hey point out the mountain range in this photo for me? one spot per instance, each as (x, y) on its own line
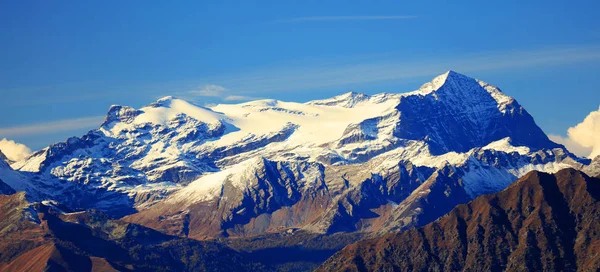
(352, 166)
(542, 222)
(44, 237)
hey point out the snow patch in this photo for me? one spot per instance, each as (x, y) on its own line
(505, 145)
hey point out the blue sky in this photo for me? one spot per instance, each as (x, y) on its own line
(63, 63)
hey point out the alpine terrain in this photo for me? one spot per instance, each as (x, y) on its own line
(337, 169)
(44, 237)
(542, 222)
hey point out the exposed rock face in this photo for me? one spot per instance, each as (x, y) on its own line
(593, 169)
(464, 113)
(42, 237)
(269, 196)
(542, 222)
(326, 199)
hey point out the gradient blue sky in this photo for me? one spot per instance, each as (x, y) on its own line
(63, 63)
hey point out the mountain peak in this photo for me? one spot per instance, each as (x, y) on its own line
(469, 87)
(450, 74)
(472, 112)
(161, 112)
(4, 161)
(166, 98)
(163, 101)
(441, 80)
(347, 100)
(118, 113)
(3, 157)
(352, 95)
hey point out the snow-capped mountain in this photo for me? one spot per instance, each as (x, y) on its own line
(352, 162)
(4, 159)
(4, 165)
(593, 169)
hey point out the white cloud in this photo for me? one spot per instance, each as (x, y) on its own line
(571, 145)
(341, 72)
(347, 18)
(52, 127)
(239, 98)
(209, 90)
(210, 105)
(212, 90)
(14, 151)
(587, 133)
(584, 138)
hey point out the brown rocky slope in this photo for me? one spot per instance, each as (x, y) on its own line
(542, 222)
(43, 237)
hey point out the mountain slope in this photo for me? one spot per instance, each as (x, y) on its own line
(463, 113)
(43, 237)
(542, 222)
(4, 159)
(593, 169)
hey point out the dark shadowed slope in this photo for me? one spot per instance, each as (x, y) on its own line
(542, 222)
(43, 237)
